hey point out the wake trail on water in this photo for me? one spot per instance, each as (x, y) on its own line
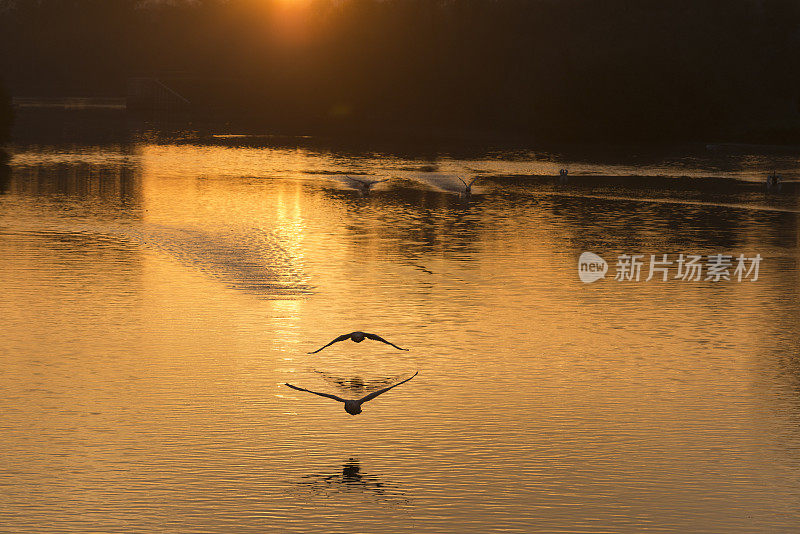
(252, 261)
(739, 206)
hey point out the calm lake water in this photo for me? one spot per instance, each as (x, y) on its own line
(157, 294)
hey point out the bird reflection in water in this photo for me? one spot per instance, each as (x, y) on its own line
(353, 406)
(357, 384)
(352, 480)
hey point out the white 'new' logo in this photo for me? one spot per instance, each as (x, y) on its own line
(591, 267)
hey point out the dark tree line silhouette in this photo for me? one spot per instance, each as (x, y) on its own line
(558, 69)
(6, 115)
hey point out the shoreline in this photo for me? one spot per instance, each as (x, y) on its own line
(234, 127)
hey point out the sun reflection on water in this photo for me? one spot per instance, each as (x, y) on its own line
(157, 299)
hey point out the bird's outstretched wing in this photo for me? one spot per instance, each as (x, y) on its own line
(376, 337)
(472, 182)
(363, 182)
(338, 339)
(462, 181)
(382, 391)
(334, 397)
(368, 183)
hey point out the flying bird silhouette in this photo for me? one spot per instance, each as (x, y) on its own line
(353, 406)
(357, 337)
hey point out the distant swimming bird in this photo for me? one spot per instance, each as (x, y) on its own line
(467, 187)
(774, 180)
(353, 406)
(357, 337)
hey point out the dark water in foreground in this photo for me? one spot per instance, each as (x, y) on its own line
(155, 298)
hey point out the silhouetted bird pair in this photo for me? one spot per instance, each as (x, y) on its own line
(353, 406)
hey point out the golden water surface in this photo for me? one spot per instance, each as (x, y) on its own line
(156, 297)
